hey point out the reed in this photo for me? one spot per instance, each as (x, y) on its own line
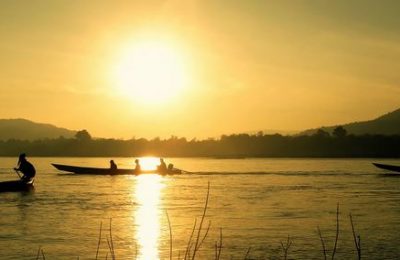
(337, 232)
(285, 247)
(98, 243)
(189, 244)
(200, 232)
(247, 253)
(322, 243)
(199, 242)
(357, 238)
(170, 236)
(218, 246)
(324, 251)
(40, 254)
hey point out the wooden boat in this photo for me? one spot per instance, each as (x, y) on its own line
(10, 186)
(108, 171)
(389, 167)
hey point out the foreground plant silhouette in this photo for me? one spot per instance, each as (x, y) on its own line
(200, 232)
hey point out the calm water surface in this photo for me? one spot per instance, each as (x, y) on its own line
(257, 203)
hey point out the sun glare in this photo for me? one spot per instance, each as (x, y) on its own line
(151, 72)
(149, 163)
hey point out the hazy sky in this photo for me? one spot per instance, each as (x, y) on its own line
(226, 66)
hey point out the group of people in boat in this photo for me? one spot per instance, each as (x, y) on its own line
(162, 167)
(28, 170)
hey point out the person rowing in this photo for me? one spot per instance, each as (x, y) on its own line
(113, 165)
(27, 169)
(138, 168)
(163, 166)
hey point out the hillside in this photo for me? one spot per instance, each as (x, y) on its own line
(388, 124)
(274, 131)
(23, 129)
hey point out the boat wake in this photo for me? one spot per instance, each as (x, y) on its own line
(289, 173)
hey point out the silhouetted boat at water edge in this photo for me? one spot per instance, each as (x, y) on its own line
(12, 186)
(108, 171)
(389, 167)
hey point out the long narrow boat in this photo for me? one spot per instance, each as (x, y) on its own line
(389, 167)
(108, 171)
(10, 186)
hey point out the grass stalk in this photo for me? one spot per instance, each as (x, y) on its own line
(189, 245)
(196, 245)
(357, 238)
(170, 236)
(111, 243)
(285, 247)
(322, 243)
(38, 253)
(337, 232)
(247, 253)
(98, 243)
(218, 245)
(205, 234)
(109, 246)
(44, 258)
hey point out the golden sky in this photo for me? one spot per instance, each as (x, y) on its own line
(198, 68)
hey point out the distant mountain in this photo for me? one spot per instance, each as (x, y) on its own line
(272, 132)
(388, 124)
(23, 129)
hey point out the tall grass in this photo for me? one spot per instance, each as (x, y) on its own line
(200, 232)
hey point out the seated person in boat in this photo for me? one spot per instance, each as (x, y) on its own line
(26, 168)
(163, 166)
(170, 167)
(137, 167)
(113, 166)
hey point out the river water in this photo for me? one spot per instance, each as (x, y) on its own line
(254, 203)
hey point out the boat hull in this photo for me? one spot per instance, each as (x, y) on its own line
(107, 171)
(393, 168)
(15, 186)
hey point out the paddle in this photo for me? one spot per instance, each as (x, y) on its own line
(17, 171)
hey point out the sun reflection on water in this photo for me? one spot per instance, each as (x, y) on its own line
(147, 216)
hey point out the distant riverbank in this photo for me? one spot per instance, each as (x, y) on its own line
(319, 145)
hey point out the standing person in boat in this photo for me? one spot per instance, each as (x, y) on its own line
(138, 168)
(163, 166)
(113, 166)
(27, 169)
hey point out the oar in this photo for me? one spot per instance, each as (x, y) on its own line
(17, 171)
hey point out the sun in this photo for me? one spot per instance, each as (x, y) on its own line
(151, 72)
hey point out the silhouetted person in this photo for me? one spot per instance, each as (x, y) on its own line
(113, 166)
(138, 168)
(170, 167)
(162, 167)
(26, 168)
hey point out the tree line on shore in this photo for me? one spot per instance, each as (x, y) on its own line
(320, 144)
